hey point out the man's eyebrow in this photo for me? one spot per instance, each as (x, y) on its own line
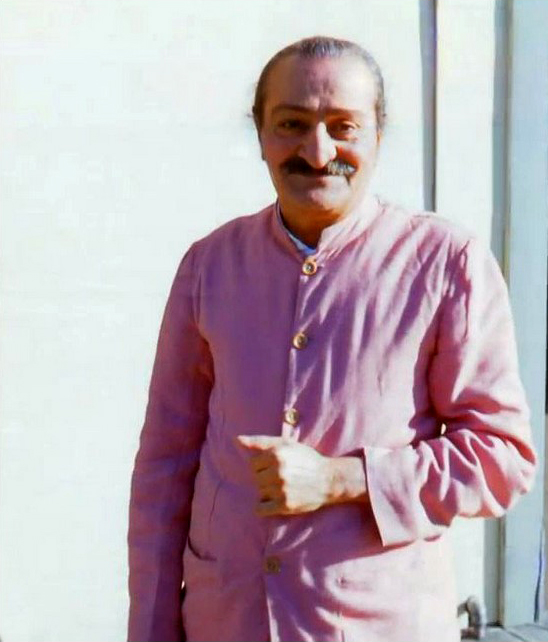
(304, 110)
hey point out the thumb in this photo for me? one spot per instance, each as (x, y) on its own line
(259, 442)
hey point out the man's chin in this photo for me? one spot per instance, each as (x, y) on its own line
(319, 199)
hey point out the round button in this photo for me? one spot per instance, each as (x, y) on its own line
(310, 267)
(291, 416)
(300, 340)
(272, 564)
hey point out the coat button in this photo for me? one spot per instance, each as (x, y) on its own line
(272, 564)
(300, 340)
(310, 267)
(291, 416)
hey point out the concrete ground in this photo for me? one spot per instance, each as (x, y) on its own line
(525, 633)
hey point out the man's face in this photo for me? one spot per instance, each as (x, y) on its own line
(319, 136)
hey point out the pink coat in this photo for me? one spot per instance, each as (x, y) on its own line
(410, 363)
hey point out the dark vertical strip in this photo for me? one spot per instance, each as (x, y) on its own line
(501, 92)
(428, 43)
(500, 205)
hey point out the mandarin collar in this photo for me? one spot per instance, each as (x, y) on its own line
(335, 237)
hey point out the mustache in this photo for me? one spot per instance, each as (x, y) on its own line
(336, 167)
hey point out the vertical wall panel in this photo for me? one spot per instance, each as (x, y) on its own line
(526, 264)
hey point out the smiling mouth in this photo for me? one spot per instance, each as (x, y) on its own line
(317, 178)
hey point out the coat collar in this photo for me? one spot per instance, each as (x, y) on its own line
(333, 238)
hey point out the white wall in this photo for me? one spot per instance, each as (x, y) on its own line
(464, 194)
(125, 137)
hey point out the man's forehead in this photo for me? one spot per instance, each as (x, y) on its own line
(330, 111)
(342, 83)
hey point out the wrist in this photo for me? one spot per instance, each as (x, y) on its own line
(346, 480)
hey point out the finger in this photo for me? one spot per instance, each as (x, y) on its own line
(271, 493)
(267, 477)
(259, 442)
(270, 507)
(262, 461)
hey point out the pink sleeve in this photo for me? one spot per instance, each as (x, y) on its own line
(485, 459)
(165, 466)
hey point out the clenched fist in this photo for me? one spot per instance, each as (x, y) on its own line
(294, 478)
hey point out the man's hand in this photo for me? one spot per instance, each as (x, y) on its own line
(294, 478)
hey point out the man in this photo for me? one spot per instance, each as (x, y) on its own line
(335, 381)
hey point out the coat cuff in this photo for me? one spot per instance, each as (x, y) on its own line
(398, 513)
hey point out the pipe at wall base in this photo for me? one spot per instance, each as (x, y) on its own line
(477, 618)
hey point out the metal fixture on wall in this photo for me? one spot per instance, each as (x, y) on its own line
(477, 619)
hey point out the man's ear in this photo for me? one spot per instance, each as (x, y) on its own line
(258, 131)
(260, 144)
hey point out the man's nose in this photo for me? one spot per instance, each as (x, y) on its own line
(318, 148)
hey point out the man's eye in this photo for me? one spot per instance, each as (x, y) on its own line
(344, 127)
(292, 124)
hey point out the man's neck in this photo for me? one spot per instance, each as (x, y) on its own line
(308, 225)
(306, 237)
